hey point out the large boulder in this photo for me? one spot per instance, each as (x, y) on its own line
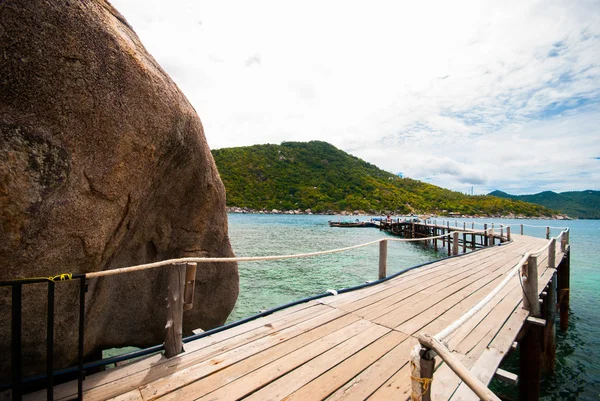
(103, 164)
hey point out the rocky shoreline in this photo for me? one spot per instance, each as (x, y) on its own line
(245, 210)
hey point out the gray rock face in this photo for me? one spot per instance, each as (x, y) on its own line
(103, 164)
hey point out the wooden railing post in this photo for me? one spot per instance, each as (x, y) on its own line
(383, 259)
(485, 235)
(174, 326)
(492, 237)
(426, 367)
(508, 233)
(547, 232)
(190, 283)
(464, 241)
(501, 232)
(472, 225)
(455, 243)
(564, 241)
(552, 254)
(521, 229)
(530, 287)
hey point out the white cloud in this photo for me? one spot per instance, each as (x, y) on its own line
(485, 93)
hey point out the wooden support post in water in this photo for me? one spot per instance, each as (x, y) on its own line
(530, 359)
(174, 327)
(455, 243)
(530, 362)
(549, 314)
(564, 288)
(383, 259)
(412, 229)
(449, 244)
(464, 238)
(547, 232)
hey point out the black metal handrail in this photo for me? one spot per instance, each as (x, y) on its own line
(17, 381)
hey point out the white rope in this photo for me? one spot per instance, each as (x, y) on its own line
(450, 329)
(162, 263)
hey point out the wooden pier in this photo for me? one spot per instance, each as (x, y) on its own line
(356, 345)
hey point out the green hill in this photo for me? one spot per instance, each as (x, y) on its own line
(317, 175)
(576, 204)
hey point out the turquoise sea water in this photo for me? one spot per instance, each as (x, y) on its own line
(265, 285)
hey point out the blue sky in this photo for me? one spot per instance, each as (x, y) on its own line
(483, 94)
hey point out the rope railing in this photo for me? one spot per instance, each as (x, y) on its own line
(422, 351)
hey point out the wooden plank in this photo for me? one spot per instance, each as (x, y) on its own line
(133, 395)
(291, 382)
(266, 349)
(423, 290)
(260, 377)
(119, 380)
(427, 299)
(238, 370)
(334, 378)
(367, 382)
(506, 377)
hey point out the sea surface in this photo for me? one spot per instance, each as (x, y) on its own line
(264, 285)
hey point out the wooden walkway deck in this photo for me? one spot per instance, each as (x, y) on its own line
(352, 346)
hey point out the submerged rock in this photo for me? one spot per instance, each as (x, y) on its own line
(103, 164)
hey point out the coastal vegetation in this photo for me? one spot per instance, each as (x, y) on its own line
(575, 204)
(316, 175)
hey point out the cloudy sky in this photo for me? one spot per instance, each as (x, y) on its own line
(483, 94)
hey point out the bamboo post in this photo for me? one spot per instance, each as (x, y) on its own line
(455, 243)
(521, 229)
(190, 283)
(530, 287)
(174, 327)
(552, 254)
(547, 232)
(383, 259)
(508, 233)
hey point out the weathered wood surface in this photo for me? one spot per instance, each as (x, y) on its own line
(351, 346)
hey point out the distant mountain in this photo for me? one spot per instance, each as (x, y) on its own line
(575, 204)
(316, 175)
